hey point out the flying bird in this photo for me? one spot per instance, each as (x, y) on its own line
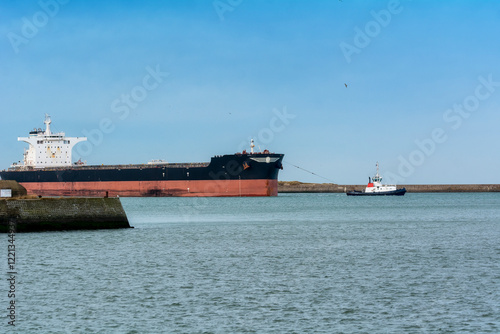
(345, 85)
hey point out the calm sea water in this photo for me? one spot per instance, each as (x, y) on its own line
(297, 263)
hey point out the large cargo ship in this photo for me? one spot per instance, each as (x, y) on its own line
(48, 170)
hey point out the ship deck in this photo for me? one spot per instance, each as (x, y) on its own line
(107, 167)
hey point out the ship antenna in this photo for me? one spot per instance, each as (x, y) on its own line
(252, 145)
(47, 125)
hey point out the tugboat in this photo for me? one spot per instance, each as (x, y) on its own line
(376, 188)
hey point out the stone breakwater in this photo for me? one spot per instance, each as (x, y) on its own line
(299, 187)
(56, 214)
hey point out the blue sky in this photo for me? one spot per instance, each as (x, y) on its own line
(422, 95)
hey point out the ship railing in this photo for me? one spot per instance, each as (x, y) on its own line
(20, 168)
(130, 166)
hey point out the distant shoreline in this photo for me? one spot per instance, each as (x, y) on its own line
(300, 187)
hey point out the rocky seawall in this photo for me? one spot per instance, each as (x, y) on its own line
(299, 187)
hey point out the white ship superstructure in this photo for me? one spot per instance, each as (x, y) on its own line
(47, 149)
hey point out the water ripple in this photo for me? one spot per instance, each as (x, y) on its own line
(292, 264)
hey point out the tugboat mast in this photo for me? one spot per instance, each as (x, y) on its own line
(377, 177)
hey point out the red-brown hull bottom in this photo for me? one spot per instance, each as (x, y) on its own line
(219, 188)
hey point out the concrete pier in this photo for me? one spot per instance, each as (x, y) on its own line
(56, 214)
(25, 213)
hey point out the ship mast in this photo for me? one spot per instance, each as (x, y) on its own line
(377, 177)
(47, 125)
